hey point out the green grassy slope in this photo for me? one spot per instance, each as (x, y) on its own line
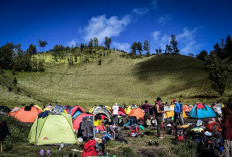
(117, 80)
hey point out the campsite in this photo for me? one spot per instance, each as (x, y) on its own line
(55, 127)
(118, 78)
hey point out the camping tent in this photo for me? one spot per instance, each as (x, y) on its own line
(121, 111)
(101, 110)
(129, 108)
(137, 112)
(53, 129)
(26, 114)
(201, 111)
(78, 120)
(4, 110)
(187, 108)
(75, 111)
(13, 111)
(170, 112)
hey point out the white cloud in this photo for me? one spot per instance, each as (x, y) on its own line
(122, 46)
(186, 40)
(155, 4)
(164, 19)
(101, 27)
(160, 40)
(156, 35)
(140, 11)
(72, 43)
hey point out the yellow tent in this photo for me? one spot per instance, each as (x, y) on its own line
(128, 110)
(170, 114)
(38, 107)
(108, 107)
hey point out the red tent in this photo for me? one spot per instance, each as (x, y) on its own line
(122, 110)
(120, 113)
(75, 109)
(78, 120)
(200, 105)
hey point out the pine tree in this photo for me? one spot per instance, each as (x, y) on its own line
(157, 51)
(218, 73)
(107, 42)
(134, 48)
(168, 49)
(160, 51)
(218, 50)
(202, 55)
(173, 44)
(32, 49)
(90, 45)
(95, 42)
(42, 44)
(146, 47)
(140, 48)
(82, 46)
(228, 47)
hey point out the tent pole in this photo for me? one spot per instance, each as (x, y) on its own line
(36, 133)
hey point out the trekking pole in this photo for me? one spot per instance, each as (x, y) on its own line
(163, 124)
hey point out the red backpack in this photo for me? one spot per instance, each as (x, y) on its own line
(89, 149)
(134, 131)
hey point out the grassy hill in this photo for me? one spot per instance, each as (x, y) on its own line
(116, 80)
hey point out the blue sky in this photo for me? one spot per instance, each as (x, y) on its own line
(197, 24)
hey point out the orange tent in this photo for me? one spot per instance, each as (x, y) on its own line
(187, 108)
(13, 111)
(26, 116)
(137, 112)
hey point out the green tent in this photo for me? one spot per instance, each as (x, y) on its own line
(53, 129)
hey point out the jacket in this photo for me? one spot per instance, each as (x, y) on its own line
(227, 123)
(177, 108)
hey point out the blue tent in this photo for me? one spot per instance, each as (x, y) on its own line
(205, 112)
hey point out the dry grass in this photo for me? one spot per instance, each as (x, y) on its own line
(118, 80)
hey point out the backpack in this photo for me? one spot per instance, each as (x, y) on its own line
(180, 135)
(214, 127)
(134, 131)
(89, 149)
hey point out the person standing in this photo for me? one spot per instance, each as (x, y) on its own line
(146, 108)
(177, 112)
(181, 114)
(159, 110)
(115, 114)
(227, 128)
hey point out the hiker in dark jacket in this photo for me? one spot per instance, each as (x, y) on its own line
(227, 128)
(159, 110)
(146, 108)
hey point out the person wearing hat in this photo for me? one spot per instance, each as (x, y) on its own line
(177, 112)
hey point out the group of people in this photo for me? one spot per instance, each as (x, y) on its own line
(158, 111)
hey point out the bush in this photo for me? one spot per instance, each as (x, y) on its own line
(70, 61)
(15, 81)
(41, 66)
